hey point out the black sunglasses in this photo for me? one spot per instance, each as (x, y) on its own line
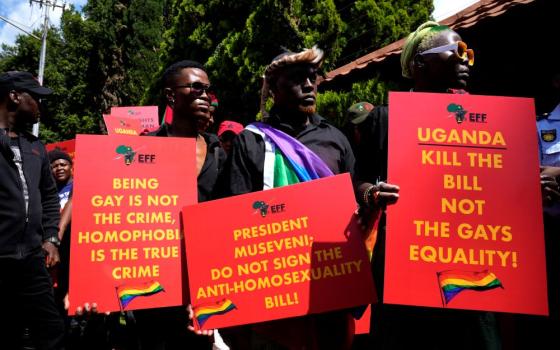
(196, 87)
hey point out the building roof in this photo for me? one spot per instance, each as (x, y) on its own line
(463, 19)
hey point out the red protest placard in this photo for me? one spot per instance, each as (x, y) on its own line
(67, 146)
(275, 254)
(126, 243)
(148, 115)
(468, 232)
(122, 125)
(362, 325)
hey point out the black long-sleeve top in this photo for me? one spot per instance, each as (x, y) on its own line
(22, 231)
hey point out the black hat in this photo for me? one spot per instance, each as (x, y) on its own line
(57, 154)
(22, 81)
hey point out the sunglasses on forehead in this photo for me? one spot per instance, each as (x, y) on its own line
(196, 87)
(459, 48)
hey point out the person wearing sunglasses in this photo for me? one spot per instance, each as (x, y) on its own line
(437, 60)
(186, 88)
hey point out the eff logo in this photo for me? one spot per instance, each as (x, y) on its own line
(130, 155)
(460, 114)
(263, 208)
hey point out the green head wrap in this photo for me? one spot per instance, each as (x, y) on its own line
(424, 32)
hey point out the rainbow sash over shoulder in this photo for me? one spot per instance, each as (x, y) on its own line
(203, 312)
(452, 282)
(287, 161)
(127, 293)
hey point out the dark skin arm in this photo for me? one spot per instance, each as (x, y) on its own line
(51, 211)
(384, 193)
(550, 187)
(380, 195)
(65, 218)
(53, 257)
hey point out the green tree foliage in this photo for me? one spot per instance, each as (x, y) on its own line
(237, 39)
(236, 47)
(106, 58)
(114, 51)
(126, 36)
(372, 24)
(69, 109)
(333, 104)
(193, 31)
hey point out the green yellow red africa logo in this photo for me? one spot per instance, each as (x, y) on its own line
(127, 152)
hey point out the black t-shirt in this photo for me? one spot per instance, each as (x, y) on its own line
(371, 153)
(213, 164)
(244, 169)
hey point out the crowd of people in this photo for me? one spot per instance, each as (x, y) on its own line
(36, 209)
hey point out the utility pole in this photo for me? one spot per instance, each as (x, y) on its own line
(45, 6)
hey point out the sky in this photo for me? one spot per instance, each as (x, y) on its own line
(446, 8)
(28, 16)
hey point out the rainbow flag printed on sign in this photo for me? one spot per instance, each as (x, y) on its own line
(127, 293)
(203, 312)
(452, 282)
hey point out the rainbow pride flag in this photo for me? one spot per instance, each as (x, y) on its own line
(127, 293)
(287, 160)
(203, 312)
(452, 282)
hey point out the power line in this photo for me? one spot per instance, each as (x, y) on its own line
(359, 52)
(15, 24)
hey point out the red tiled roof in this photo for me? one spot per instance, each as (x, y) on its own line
(463, 19)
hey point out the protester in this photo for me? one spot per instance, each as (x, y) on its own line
(80, 333)
(227, 132)
(214, 104)
(355, 124)
(61, 165)
(258, 163)
(29, 215)
(185, 85)
(436, 59)
(186, 88)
